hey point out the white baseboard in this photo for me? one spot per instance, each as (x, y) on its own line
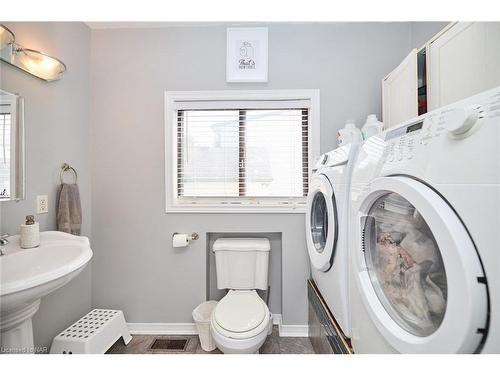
(291, 330)
(190, 328)
(162, 328)
(276, 319)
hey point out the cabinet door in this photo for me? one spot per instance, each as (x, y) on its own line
(399, 92)
(463, 61)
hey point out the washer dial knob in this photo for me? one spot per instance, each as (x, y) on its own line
(461, 120)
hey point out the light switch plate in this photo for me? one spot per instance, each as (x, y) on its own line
(42, 204)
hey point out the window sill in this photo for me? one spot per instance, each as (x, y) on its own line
(249, 209)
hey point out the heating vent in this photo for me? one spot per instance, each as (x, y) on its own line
(170, 345)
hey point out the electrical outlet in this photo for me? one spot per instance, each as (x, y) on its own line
(42, 204)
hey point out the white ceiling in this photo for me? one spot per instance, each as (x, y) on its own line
(132, 25)
(147, 25)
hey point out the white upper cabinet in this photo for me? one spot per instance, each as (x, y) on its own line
(463, 61)
(399, 92)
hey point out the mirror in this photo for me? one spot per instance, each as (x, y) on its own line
(11, 146)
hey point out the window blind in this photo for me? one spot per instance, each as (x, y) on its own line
(252, 151)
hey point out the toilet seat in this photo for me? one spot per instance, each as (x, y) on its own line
(241, 314)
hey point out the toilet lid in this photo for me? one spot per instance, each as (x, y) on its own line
(240, 311)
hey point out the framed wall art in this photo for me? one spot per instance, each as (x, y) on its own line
(246, 56)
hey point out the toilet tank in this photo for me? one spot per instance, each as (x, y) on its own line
(242, 263)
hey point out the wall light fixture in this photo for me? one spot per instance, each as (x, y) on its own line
(34, 62)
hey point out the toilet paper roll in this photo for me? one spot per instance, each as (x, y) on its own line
(180, 240)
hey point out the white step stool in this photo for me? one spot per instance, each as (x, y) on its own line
(95, 333)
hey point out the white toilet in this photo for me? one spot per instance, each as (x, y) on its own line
(241, 320)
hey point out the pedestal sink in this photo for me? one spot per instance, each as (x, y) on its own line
(27, 275)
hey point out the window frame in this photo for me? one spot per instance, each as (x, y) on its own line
(16, 188)
(174, 204)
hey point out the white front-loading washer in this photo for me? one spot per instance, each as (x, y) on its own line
(327, 230)
(425, 219)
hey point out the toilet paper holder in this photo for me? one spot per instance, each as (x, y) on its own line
(192, 237)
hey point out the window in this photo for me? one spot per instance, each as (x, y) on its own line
(239, 151)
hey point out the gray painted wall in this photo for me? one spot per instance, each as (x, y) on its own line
(421, 32)
(135, 267)
(57, 131)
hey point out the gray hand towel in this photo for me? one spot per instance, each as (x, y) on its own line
(69, 209)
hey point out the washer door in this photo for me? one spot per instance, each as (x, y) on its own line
(420, 276)
(321, 223)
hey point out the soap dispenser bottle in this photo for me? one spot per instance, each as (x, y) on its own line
(30, 233)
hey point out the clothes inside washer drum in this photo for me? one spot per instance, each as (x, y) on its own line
(406, 267)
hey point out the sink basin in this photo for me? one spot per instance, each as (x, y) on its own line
(27, 275)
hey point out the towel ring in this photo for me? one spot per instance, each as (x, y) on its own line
(66, 167)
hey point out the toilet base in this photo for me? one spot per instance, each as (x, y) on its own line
(240, 346)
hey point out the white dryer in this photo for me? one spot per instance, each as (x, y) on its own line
(425, 224)
(327, 229)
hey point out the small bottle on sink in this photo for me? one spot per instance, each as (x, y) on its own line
(30, 233)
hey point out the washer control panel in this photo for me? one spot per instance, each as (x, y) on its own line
(467, 130)
(456, 121)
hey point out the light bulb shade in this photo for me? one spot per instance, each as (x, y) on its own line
(6, 37)
(38, 64)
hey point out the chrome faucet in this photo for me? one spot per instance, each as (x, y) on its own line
(3, 241)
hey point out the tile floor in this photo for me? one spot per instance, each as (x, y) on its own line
(274, 344)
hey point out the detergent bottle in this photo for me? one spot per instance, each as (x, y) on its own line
(371, 127)
(349, 134)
